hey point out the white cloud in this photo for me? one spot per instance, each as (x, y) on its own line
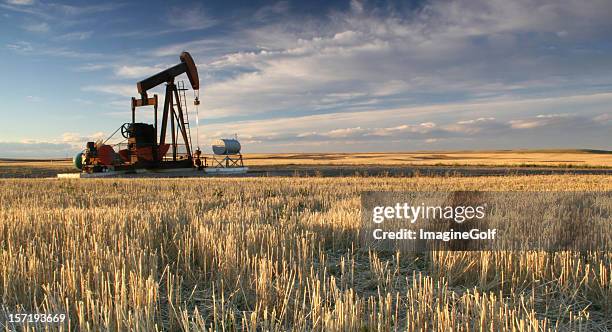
(78, 10)
(72, 137)
(423, 128)
(20, 46)
(344, 132)
(20, 2)
(87, 67)
(39, 27)
(125, 90)
(479, 120)
(272, 12)
(141, 72)
(604, 118)
(560, 120)
(75, 36)
(202, 47)
(179, 20)
(195, 18)
(25, 47)
(78, 140)
(356, 6)
(57, 12)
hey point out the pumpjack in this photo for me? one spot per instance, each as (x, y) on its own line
(143, 150)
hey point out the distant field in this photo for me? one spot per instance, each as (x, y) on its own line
(38, 168)
(550, 158)
(510, 158)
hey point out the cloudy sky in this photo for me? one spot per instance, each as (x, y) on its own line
(310, 76)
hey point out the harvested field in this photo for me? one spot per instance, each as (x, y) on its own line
(527, 158)
(275, 254)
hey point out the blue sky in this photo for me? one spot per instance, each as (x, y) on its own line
(309, 76)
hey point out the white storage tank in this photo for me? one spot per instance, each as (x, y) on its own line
(226, 146)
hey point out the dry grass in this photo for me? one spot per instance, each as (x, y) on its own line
(548, 158)
(275, 254)
(34, 169)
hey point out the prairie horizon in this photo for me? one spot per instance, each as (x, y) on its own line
(501, 157)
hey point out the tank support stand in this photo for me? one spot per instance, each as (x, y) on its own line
(227, 161)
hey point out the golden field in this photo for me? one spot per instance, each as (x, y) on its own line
(276, 254)
(507, 158)
(529, 158)
(38, 168)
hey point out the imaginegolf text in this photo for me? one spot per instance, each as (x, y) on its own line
(408, 234)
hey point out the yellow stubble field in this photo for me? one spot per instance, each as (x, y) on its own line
(276, 254)
(528, 158)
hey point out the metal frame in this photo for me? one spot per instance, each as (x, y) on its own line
(177, 121)
(172, 111)
(227, 161)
